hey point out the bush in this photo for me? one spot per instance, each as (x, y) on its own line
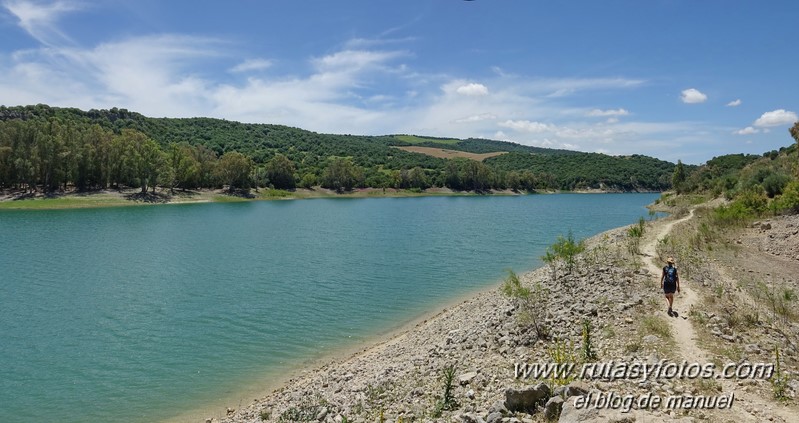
(565, 249)
(531, 302)
(775, 183)
(789, 200)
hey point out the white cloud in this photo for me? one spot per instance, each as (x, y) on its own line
(692, 96)
(568, 86)
(472, 90)
(617, 112)
(250, 65)
(776, 118)
(476, 118)
(38, 20)
(527, 126)
(501, 136)
(746, 131)
(734, 103)
(354, 59)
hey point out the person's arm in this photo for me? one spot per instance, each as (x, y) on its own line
(677, 278)
(662, 278)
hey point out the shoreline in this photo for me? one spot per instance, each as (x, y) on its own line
(300, 372)
(130, 197)
(376, 342)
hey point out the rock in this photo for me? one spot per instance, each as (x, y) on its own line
(466, 378)
(526, 399)
(494, 417)
(571, 414)
(651, 339)
(470, 394)
(575, 389)
(471, 418)
(322, 414)
(553, 407)
(765, 226)
(498, 407)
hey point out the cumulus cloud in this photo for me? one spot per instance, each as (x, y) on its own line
(776, 118)
(734, 103)
(472, 90)
(617, 112)
(527, 126)
(251, 65)
(692, 96)
(746, 131)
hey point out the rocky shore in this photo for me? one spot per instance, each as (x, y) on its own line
(464, 363)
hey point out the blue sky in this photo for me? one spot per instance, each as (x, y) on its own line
(671, 79)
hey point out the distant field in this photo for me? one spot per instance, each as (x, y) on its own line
(450, 154)
(412, 139)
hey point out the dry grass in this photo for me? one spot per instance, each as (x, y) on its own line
(450, 154)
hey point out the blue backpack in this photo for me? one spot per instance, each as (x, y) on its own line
(671, 274)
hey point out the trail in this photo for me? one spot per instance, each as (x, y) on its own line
(747, 407)
(683, 331)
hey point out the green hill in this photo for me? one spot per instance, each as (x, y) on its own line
(103, 143)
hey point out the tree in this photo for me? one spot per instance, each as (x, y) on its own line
(234, 170)
(147, 159)
(341, 175)
(678, 178)
(184, 167)
(280, 172)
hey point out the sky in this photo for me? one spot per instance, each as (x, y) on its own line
(677, 80)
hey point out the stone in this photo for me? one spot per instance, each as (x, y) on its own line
(553, 407)
(498, 407)
(575, 389)
(322, 414)
(471, 418)
(494, 417)
(466, 378)
(526, 399)
(470, 394)
(651, 339)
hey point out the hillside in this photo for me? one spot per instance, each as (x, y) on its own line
(100, 148)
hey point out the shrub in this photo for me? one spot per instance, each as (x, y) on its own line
(565, 249)
(775, 183)
(531, 302)
(789, 200)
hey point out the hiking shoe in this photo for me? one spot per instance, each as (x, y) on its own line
(671, 313)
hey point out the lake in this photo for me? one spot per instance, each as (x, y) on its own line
(138, 314)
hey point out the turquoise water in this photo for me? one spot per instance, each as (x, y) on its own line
(139, 314)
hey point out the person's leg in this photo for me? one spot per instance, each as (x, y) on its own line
(670, 299)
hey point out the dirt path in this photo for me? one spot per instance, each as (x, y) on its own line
(748, 407)
(684, 334)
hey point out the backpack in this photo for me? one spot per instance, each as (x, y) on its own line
(671, 274)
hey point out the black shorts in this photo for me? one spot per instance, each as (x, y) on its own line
(669, 287)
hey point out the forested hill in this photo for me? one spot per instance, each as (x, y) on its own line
(336, 161)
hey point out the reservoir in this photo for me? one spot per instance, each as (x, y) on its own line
(138, 314)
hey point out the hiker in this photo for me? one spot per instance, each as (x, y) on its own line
(670, 282)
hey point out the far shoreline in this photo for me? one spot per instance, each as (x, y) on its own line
(16, 200)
